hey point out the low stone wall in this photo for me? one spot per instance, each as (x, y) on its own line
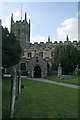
(67, 77)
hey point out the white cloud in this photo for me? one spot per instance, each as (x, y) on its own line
(40, 39)
(7, 22)
(68, 27)
(0, 11)
(16, 16)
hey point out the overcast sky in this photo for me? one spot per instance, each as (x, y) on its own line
(54, 19)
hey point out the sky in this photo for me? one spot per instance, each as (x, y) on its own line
(54, 19)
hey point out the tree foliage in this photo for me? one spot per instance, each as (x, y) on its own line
(11, 49)
(68, 56)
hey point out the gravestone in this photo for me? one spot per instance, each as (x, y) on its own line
(19, 82)
(77, 70)
(13, 91)
(59, 70)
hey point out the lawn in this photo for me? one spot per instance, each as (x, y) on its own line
(74, 81)
(41, 100)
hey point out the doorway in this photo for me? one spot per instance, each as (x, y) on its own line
(37, 72)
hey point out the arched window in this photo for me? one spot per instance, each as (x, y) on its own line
(41, 54)
(23, 66)
(19, 32)
(52, 54)
(30, 54)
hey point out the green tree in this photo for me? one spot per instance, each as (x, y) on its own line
(68, 56)
(79, 58)
(11, 49)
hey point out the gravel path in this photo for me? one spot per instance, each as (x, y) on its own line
(53, 82)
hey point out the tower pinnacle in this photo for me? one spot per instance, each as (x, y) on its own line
(29, 23)
(12, 17)
(67, 38)
(11, 22)
(48, 38)
(25, 16)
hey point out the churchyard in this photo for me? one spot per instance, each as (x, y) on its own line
(41, 100)
(50, 88)
(25, 98)
(70, 79)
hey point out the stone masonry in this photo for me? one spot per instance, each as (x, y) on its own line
(37, 59)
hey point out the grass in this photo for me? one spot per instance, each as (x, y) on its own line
(41, 100)
(74, 81)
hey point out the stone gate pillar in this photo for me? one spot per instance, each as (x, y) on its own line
(19, 82)
(13, 91)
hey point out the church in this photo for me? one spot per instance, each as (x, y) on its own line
(36, 59)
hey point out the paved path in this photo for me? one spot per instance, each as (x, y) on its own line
(53, 82)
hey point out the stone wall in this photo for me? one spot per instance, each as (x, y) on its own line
(46, 48)
(44, 51)
(37, 61)
(21, 29)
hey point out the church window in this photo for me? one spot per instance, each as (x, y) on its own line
(30, 54)
(19, 32)
(35, 51)
(41, 54)
(52, 54)
(23, 66)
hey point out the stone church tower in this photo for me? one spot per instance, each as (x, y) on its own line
(21, 29)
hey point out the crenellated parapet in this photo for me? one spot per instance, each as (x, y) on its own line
(51, 45)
